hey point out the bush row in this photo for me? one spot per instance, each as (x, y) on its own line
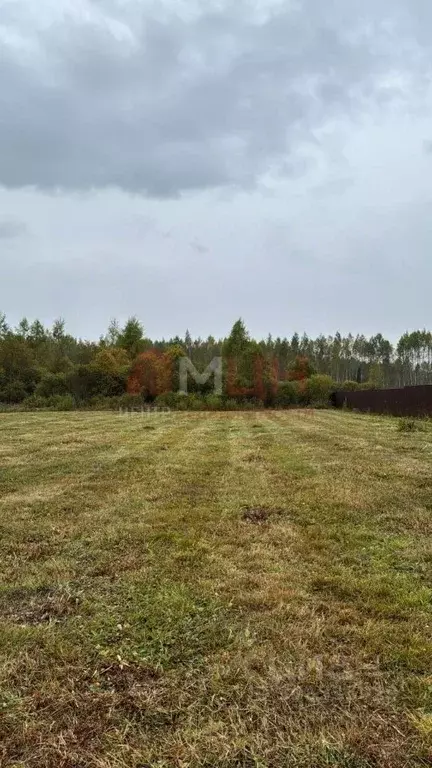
(314, 391)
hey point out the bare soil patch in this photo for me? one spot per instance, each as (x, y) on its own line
(40, 605)
(259, 515)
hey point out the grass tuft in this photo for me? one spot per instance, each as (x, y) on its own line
(409, 425)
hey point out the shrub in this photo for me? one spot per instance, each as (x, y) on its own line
(54, 403)
(13, 392)
(229, 404)
(35, 403)
(86, 382)
(350, 386)
(173, 400)
(51, 384)
(287, 394)
(213, 403)
(318, 390)
(9, 407)
(409, 425)
(191, 402)
(62, 403)
(180, 402)
(303, 393)
(255, 404)
(194, 402)
(103, 404)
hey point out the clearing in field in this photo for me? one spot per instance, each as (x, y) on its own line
(219, 590)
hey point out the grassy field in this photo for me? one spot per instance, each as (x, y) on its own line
(219, 590)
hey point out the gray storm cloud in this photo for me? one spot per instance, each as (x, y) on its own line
(190, 161)
(103, 94)
(12, 228)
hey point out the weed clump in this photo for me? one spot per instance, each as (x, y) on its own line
(409, 425)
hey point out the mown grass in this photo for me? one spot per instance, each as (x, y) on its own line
(219, 590)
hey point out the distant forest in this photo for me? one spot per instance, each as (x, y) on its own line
(39, 364)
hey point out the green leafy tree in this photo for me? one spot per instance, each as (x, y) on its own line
(131, 337)
(113, 333)
(52, 384)
(188, 342)
(238, 340)
(4, 328)
(114, 361)
(18, 372)
(58, 329)
(238, 361)
(37, 334)
(23, 328)
(295, 345)
(319, 388)
(287, 393)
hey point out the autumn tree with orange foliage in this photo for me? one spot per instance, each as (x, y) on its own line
(155, 373)
(300, 370)
(151, 374)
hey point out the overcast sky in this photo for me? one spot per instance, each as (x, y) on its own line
(191, 162)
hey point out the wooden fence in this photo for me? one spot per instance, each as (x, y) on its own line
(408, 401)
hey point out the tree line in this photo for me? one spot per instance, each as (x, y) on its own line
(46, 365)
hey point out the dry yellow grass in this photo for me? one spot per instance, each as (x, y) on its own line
(219, 590)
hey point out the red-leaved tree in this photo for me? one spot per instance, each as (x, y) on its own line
(151, 374)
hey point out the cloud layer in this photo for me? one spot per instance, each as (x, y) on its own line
(165, 98)
(11, 228)
(190, 161)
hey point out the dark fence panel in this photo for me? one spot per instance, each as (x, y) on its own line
(409, 401)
